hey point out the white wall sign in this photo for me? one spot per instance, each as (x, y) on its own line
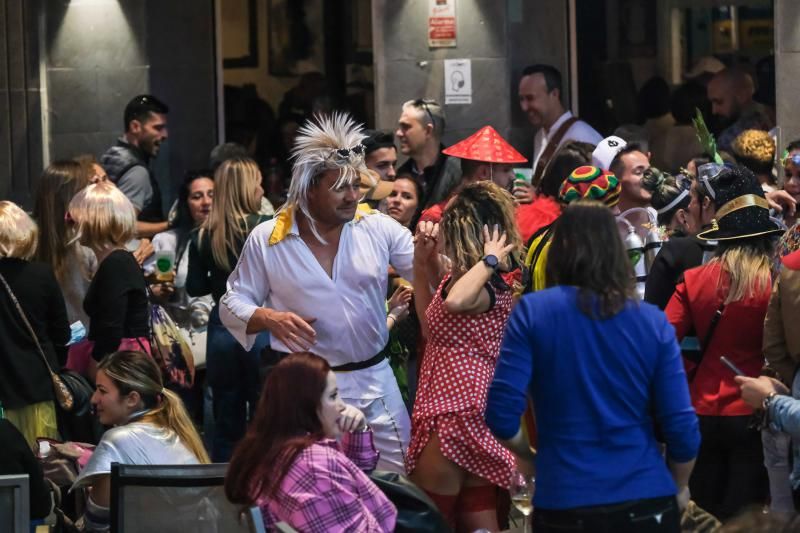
(457, 81)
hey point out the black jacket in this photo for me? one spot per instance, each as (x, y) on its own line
(205, 275)
(24, 379)
(116, 303)
(676, 256)
(17, 458)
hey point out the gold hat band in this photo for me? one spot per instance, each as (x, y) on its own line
(747, 200)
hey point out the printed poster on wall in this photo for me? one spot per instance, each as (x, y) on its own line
(457, 81)
(442, 23)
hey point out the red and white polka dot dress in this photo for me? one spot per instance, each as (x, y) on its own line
(458, 366)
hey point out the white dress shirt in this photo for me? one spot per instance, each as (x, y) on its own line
(579, 131)
(278, 270)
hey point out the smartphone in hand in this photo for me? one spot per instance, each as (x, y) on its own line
(735, 369)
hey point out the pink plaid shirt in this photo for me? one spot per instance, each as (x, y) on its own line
(326, 490)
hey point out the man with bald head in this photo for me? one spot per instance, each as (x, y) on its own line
(731, 94)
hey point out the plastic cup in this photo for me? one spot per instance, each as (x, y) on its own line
(165, 265)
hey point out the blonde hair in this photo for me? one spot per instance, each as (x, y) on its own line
(59, 183)
(136, 371)
(18, 232)
(478, 204)
(235, 183)
(103, 215)
(747, 263)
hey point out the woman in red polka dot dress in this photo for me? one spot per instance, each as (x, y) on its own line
(453, 456)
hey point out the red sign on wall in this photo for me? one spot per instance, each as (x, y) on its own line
(442, 23)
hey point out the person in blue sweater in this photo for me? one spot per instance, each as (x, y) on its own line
(604, 371)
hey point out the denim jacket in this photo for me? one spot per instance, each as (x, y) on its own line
(784, 415)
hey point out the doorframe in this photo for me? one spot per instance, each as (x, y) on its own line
(572, 59)
(218, 71)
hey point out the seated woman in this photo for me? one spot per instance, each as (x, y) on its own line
(151, 427)
(289, 464)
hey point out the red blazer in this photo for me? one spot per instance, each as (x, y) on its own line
(738, 337)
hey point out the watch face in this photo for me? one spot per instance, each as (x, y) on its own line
(491, 261)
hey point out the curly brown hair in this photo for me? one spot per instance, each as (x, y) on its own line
(477, 205)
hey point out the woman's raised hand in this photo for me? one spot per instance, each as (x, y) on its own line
(426, 241)
(494, 243)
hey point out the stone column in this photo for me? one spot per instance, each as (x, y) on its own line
(787, 69)
(102, 54)
(20, 100)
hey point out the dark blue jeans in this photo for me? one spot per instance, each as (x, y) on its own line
(232, 374)
(655, 515)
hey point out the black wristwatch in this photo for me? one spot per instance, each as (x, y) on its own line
(491, 261)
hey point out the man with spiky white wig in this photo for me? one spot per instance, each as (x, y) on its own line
(315, 278)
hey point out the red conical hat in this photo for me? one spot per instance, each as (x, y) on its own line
(485, 145)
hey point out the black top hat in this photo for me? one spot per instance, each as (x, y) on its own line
(742, 210)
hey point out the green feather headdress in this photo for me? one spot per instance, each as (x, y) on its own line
(706, 139)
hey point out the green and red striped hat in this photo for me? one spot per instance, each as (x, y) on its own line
(590, 183)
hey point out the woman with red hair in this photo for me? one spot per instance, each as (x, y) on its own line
(290, 465)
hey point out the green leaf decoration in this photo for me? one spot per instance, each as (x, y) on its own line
(706, 139)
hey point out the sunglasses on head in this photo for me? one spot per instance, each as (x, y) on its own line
(342, 156)
(684, 182)
(422, 103)
(143, 100)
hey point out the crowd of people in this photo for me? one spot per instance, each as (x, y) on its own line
(606, 340)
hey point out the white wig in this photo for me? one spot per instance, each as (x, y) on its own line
(325, 143)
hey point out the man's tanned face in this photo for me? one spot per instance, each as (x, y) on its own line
(384, 162)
